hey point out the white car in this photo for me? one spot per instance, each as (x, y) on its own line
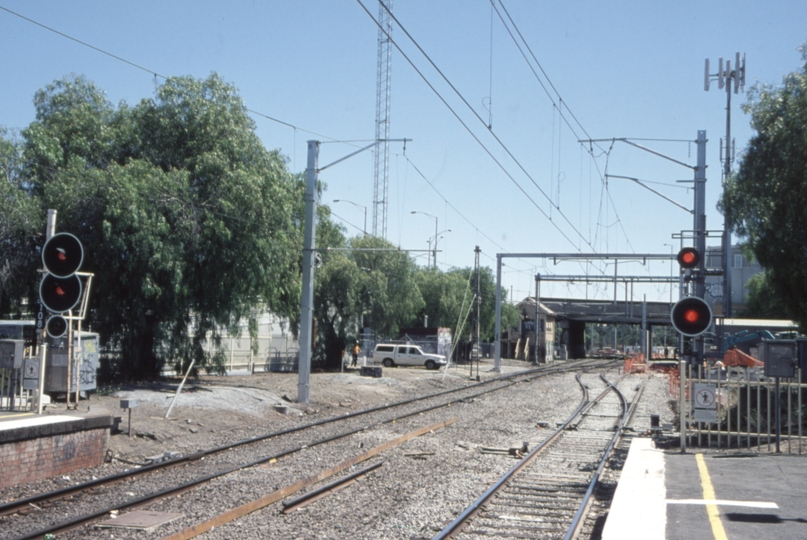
(391, 355)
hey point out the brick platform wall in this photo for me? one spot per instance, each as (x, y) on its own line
(44, 455)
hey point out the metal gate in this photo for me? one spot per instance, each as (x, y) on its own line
(745, 409)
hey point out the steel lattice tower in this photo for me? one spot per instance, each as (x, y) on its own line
(382, 120)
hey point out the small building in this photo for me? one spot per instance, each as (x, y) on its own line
(519, 342)
(431, 339)
(741, 270)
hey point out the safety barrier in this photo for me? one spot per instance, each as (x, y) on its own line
(744, 404)
(635, 364)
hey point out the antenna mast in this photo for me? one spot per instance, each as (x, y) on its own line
(725, 77)
(382, 119)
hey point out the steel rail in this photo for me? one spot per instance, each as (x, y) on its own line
(577, 521)
(474, 507)
(139, 501)
(455, 526)
(12, 506)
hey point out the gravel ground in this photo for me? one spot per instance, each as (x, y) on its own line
(406, 498)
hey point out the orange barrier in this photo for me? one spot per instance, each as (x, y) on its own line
(736, 357)
(635, 364)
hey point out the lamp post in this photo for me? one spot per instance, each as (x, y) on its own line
(436, 237)
(435, 233)
(364, 230)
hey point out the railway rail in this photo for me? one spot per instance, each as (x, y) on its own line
(28, 516)
(548, 493)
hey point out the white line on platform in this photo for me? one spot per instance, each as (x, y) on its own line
(719, 502)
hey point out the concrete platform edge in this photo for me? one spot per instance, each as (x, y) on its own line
(639, 508)
(81, 423)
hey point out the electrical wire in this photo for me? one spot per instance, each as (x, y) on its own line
(479, 118)
(156, 74)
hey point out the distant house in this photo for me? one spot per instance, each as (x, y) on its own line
(741, 271)
(520, 341)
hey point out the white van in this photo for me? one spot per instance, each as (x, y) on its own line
(406, 355)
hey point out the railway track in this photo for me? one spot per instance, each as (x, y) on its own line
(548, 494)
(66, 509)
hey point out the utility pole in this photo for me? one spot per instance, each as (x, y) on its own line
(307, 336)
(725, 77)
(307, 298)
(475, 349)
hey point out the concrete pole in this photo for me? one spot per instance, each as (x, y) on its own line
(435, 243)
(537, 321)
(307, 298)
(645, 344)
(700, 212)
(699, 288)
(50, 230)
(497, 362)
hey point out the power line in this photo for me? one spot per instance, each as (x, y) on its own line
(493, 134)
(154, 73)
(468, 129)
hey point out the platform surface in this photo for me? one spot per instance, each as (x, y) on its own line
(710, 495)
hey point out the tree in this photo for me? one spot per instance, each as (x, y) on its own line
(449, 302)
(189, 223)
(766, 199)
(377, 285)
(762, 301)
(21, 229)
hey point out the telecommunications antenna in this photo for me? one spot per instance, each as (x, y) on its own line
(706, 76)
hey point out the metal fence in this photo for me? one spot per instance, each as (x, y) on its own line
(745, 409)
(13, 394)
(276, 353)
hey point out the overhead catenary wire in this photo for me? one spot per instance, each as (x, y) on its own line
(479, 118)
(157, 74)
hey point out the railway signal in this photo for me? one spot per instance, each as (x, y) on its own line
(60, 289)
(689, 257)
(56, 326)
(691, 316)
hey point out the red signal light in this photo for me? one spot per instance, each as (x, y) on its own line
(691, 316)
(62, 255)
(689, 257)
(60, 294)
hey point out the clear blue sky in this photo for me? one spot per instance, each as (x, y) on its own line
(623, 69)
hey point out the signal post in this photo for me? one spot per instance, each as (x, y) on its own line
(60, 291)
(691, 316)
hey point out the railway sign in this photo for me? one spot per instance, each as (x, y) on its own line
(704, 401)
(30, 374)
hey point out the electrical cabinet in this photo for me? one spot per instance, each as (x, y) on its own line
(780, 357)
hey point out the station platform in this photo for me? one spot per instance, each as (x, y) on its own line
(34, 447)
(708, 495)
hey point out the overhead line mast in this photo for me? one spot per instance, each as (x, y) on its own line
(382, 119)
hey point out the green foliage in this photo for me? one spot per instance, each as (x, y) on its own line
(188, 221)
(378, 285)
(766, 199)
(21, 229)
(762, 301)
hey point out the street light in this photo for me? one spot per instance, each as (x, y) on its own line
(436, 237)
(435, 232)
(357, 206)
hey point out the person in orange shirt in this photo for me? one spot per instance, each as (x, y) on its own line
(354, 351)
